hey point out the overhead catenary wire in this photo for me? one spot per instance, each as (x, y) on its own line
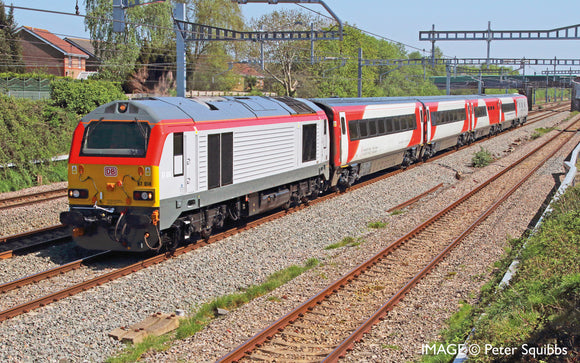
(172, 66)
(198, 33)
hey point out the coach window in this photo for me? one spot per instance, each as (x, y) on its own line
(389, 125)
(396, 124)
(364, 129)
(178, 154)
(372, 128)
(353, 130)
(382, 126)
(343, 125)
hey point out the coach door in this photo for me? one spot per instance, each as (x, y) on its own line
(425, 124)
(343, 139)
(470, 116)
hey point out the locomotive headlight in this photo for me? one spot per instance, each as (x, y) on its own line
(143, 195)
(122, 107)
(78, 193)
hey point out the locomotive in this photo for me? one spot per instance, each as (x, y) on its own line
(152, 173)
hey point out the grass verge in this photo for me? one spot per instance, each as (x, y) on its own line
(539, 132)
(346, 241)
(207, 312)
(540, 306)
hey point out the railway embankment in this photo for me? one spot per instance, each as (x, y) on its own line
(537, 316)
(531, 311)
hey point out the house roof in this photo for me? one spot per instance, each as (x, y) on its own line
(61, 45)
(83, 44)
(244, 69)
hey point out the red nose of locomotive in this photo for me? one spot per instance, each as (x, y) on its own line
(112, 185)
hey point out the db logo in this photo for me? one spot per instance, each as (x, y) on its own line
(111, 171)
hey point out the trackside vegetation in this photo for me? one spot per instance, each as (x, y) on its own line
(539, 308)
(33, 132)
(204, 314)
(482, 158)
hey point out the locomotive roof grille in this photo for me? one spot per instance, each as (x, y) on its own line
(298, 106)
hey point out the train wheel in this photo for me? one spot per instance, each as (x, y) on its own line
(206, 233)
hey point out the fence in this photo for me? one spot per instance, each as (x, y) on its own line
(31, 88)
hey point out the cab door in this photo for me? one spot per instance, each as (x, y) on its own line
(343, 139)
(190, 156)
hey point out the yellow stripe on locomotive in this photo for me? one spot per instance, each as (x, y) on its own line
(113, 185)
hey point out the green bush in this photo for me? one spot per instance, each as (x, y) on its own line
(482, 158)
(82, 97)
(29, 131)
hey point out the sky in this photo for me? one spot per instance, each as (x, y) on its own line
(399, 21)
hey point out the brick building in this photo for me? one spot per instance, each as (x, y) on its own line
(86, 45)
(43, 51)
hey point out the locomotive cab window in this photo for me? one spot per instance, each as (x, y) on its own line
(178, 154)
(308, 143)
(116, 138)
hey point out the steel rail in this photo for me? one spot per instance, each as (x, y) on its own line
(544, 114)
(8, 203)
(13, 239)
(59, 270)
(245, 348)
(414, 199)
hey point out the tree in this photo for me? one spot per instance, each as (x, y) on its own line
(206, 60)
(10, 50)
(288, 62)
(147, 24)
(377, 81)
(149, 38)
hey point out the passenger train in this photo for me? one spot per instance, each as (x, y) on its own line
(153, 173)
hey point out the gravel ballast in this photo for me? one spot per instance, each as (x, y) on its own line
(76, 328)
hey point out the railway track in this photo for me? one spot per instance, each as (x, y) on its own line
(27, 199)
(540, 115)
(328, 324)
(30, 241)
(109, 276)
